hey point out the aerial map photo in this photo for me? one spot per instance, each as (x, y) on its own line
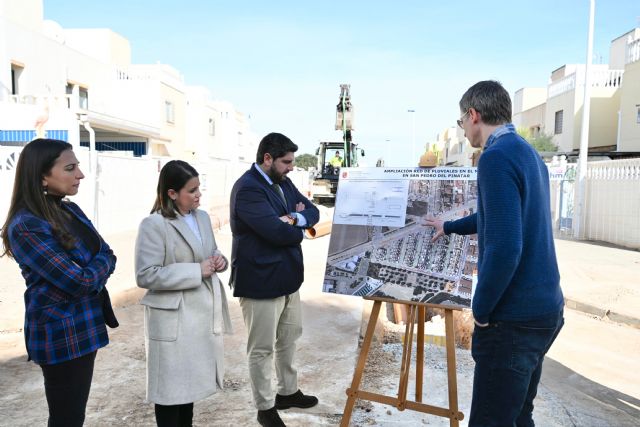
(380, 246)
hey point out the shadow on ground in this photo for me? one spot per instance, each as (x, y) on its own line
(586, 402)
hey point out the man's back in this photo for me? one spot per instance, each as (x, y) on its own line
(517, 256)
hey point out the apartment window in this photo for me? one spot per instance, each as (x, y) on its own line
(212, 127)
(169, 111)
(69, 91)
(83, 95)
(557, 127)
(16, 72)
(72, 90)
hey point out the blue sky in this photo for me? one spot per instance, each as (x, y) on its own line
(282, 62)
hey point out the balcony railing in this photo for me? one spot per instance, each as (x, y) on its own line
(610, 78)
(603, 79)
(563, 85)
(633, 51)
(61, 101)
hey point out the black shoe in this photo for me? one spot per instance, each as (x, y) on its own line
(297, 400)
(270, 418)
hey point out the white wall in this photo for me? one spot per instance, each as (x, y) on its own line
(612, 209)
(529, 97)
(126, 187)
(618, 48)
(100, 43)
(630, 109)
(28, 13)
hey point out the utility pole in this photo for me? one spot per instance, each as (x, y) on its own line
(584, 131)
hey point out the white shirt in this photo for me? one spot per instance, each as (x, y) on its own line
(193, 225)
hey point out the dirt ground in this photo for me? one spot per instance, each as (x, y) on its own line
(118, 391)
(326, 358)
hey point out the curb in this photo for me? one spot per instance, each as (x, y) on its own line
(602, 313)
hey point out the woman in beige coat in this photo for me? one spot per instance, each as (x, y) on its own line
(185, 306)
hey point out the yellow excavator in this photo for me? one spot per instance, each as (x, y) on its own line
(333, 155)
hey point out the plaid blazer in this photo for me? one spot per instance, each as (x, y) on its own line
(64, 304)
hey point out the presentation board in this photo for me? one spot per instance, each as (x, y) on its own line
(381, 247)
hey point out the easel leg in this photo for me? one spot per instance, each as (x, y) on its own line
(406, 358)
(352, 392)
(420, 353)
(451, 368)
(398, 313)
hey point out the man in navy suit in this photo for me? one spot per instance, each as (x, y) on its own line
(268, 218)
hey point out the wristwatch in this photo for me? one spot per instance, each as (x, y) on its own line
(293, 219)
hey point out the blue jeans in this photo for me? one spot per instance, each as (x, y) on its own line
(509, 358)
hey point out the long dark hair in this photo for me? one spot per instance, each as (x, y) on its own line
(173, 176)
(35, 162)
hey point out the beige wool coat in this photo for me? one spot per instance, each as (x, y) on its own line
(185, 315)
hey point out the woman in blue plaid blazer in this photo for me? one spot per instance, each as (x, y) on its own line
(65, 264)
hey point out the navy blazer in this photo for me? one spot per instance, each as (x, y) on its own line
(266, 257)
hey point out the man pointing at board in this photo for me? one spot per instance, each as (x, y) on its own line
(518, 303)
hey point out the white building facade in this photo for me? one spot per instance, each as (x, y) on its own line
(79, 85)
(614, 122)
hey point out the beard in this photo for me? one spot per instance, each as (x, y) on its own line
(276, 176)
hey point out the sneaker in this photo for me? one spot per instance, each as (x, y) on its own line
(297, 400)
(270, 418)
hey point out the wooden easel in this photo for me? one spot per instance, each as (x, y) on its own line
(401, 402)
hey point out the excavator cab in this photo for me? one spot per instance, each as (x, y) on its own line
(325, 183)
(332, 156)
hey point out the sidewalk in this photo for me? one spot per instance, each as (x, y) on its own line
(600, 280)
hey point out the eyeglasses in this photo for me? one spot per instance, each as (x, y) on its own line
(459, 121)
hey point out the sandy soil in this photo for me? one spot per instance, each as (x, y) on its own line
(570, 394)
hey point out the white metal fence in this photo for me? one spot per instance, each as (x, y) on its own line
(612, 208)
(126, 187)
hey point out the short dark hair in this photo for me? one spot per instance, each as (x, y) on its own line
(277, 145)
(173, 176)
(35, 162)
(489, 99)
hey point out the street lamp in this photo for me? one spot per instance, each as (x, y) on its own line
(413, 134)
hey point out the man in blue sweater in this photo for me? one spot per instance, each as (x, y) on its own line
(518, 303)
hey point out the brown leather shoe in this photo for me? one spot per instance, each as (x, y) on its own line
(270, 418)
(297, 400)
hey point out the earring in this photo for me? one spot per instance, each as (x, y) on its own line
(45, 191)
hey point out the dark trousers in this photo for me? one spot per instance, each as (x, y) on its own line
(174, 415)
(509, 358)
(67, 386)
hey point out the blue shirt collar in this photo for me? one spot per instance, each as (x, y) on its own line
(502, 130)
(259, 169)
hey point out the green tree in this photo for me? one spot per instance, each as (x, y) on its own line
(306, 161)
(542, 142)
